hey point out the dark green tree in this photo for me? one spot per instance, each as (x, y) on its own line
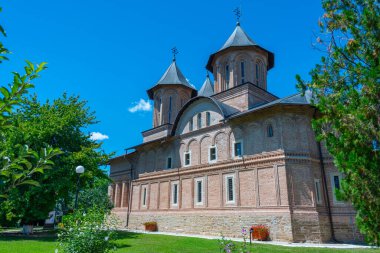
(345, 88)
(62, 124)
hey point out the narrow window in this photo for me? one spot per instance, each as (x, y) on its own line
(170, 109)
(318, 191)
(257, 73)
(169, 163)
(187, 159)
(242, 72)
(199, 186)
(270, 131)
(199, 121)
(230, 189)
(191, 125)
(227, 77)
(144, 197)
(159, 112)
(175, 194)
(212, 154)
(335, 181)
(237, 149)
(208, 119)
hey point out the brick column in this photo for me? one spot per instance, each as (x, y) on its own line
(117, 195)
(122, 201)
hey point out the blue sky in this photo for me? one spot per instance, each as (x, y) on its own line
(111, 51)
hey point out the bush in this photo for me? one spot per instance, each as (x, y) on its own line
(260, 232)
(91, 231)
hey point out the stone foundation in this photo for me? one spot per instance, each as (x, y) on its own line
(226, 222)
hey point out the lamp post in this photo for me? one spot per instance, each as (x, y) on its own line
(79, 170)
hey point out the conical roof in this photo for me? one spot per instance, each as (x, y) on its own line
(239, 38)
(172, 76)
(207, 89)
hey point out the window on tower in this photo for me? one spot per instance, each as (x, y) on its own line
(242, 70)
(227, 78)
(159, 112)
(199, 121)
(170, 109)
(259, 73)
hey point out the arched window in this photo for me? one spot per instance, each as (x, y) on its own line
(159, 115)
(242, 72)
(191, 125)
(208, 119)
(199, 121)
(170, 109)
(227, 81)
(259, 73)
(270, 131)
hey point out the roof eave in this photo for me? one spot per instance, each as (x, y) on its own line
(212, 56)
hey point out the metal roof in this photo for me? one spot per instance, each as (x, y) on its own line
(172, 76)
(207, 88)
(296, 99)
(239, 38)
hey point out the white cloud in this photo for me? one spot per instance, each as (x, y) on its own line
(142, 105)
(96, 136)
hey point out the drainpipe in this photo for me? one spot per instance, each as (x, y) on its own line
(327, 198)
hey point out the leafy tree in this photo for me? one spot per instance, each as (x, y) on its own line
(60, 124)
(95, 196)
(346, 92)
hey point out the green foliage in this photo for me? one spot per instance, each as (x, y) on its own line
(95, 196)
(90, 231)
(228, 246)
(345, 90)
(59, 123)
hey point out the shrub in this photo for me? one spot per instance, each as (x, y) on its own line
(260, 232)
(91, 231)
(228, 246)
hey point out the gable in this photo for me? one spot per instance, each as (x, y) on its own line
(195, 109)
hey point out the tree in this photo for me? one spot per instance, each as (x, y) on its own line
(60, 123)
(346, 91)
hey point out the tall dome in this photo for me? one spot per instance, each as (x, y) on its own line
(169, 94)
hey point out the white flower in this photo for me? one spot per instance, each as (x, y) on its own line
(106, 238)
(84, 214)
(56, 251)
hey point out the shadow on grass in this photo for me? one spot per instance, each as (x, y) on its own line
(122, 235)
(31, 238)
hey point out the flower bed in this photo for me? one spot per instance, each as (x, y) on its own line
(260, 232)
(150, 226)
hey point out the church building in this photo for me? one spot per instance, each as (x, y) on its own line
(231, 155)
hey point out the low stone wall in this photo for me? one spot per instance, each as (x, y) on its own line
(226, 222)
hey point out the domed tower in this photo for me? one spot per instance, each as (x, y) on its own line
(169, 94)
(241, 61)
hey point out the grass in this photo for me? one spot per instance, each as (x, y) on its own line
(152, 243)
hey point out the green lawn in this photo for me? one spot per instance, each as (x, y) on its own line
(144, 243)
